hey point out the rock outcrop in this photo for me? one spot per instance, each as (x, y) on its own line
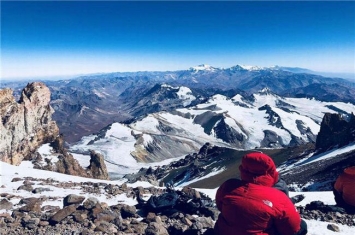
(97, 168)
(67, 164)
(335, 131)
(27, 124)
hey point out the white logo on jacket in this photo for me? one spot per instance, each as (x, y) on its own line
(268, 203)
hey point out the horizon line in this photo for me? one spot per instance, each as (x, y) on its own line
(77, 75)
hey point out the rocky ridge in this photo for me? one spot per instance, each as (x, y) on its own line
(27, 124)
(190, 167)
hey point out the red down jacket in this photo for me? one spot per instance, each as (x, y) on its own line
(251, 205)
(345, 185)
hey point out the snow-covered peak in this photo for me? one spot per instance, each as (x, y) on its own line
(203, 67)
(164, 85)
(185, 94)
(265, 90)
(218, 97)
(245, 68)
(251, 67)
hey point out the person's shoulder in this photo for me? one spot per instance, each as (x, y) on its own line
(282, 186)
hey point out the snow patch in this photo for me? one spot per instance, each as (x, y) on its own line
(185, 94)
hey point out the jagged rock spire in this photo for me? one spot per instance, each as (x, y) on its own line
(27, 124)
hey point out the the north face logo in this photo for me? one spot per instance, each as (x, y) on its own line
(268, 203)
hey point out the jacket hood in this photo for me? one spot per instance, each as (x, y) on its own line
(350, 171)
(258, 168)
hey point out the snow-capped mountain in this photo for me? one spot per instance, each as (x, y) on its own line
(203, 67)
(246, 68)
(306, 167)
(119, 97)
(158, 98)
(264, 120)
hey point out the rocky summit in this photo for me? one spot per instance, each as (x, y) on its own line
(26, 124)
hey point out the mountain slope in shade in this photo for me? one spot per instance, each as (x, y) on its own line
(324, 92)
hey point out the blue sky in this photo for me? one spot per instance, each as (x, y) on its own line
(65, 38)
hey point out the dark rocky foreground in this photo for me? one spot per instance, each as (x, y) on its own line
(87, 215)
(81, 215)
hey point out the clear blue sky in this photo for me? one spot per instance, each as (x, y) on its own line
(64, 38)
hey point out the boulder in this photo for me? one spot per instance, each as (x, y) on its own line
(62, 214)
(97, 168)
(73, 199)
(128, 211)
(155, 228)
(90, 203)
(333, 227)
(5, 204)
(32, 204)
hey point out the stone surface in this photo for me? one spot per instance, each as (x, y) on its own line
(40, 190)
(97, 167)
(27, 124)
(156, 229)
(128, 211)
(5, 204)
(333, 227)
(32, 204)
(73, 199)
(61, 214)
(335, 131)
(90, 202)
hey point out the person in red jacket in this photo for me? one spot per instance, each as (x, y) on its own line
(344, 190)
(251, 206)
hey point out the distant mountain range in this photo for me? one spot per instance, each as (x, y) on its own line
(89, 103)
